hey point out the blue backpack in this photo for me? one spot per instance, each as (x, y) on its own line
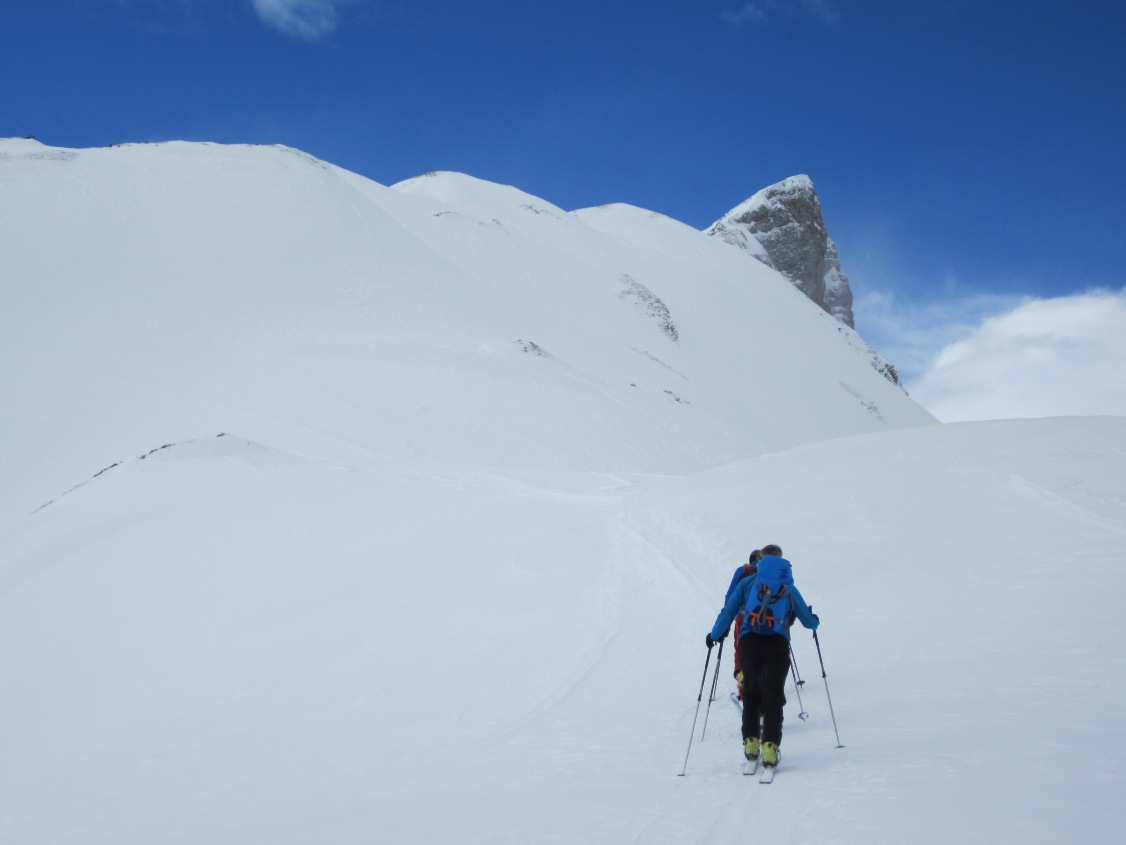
(768, 602)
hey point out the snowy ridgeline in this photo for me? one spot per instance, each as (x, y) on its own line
(485, 471)
(173, 291)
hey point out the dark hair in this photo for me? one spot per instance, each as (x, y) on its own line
(772, 550)
(755, 557)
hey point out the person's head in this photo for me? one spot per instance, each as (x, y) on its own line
(755, 557)
(772, 549)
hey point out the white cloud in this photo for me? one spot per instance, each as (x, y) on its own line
(1051, 357)
(911, 333)
(310, 20)
(760, 12)
(750, 13)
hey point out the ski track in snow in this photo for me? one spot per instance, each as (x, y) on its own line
(607, 625)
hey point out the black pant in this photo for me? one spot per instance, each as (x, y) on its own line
(766, 662)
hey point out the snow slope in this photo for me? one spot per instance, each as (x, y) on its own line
(175, 291)
(311, 651)
(433, 585)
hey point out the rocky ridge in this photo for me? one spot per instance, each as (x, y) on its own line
(782, 226)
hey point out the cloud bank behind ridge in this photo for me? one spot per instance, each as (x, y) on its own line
(1046, 357)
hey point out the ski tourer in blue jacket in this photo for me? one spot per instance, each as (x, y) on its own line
(769, 602)
(746, 570)
(747, 590)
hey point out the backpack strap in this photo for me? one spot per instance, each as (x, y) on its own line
(763, 615)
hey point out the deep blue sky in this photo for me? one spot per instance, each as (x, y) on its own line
(960, 148)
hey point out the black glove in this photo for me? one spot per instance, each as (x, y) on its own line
(709, 642)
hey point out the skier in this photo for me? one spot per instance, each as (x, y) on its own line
(769, 602)
(748, 569)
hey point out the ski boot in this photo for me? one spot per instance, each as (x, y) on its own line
(770, 754)
(751, 747)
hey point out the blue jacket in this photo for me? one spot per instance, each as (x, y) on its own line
(737, 602)
(739, 575)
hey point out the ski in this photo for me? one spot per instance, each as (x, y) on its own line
(750, 767)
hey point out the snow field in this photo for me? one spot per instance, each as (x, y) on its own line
(446, 573)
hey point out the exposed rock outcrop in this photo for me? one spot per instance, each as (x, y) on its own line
(782, 227)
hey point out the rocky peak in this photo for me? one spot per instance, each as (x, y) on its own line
(782, 227)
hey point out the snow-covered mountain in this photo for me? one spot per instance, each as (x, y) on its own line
(205, 289)
(337, 512)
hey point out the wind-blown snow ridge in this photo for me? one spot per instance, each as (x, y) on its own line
(151, 452)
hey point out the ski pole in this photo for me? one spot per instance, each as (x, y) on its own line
(715, 677)
(798, 682)
(699, 698)
(826, 680)
(794, 666)
(715, 680)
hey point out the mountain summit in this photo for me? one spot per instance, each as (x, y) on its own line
(782, 227)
